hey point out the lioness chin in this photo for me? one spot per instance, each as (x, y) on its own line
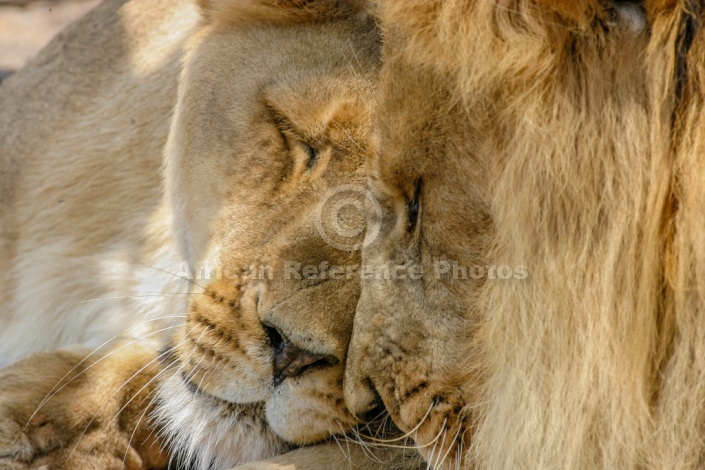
(227, 353)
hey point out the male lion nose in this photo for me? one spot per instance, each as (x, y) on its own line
(289, 359)
(361, 396)
(365, 403)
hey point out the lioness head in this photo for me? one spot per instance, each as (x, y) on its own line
(264, 170)
(537, 160)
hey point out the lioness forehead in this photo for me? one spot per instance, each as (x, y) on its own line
(315, 88)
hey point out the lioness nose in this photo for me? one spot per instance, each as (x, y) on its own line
(290, 360)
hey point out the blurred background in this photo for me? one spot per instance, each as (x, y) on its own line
(27, 25)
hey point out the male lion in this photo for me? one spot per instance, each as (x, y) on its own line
(269, 126)
(542, 162)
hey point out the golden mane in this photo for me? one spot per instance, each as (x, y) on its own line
(584, 122)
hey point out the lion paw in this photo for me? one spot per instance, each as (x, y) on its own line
(14, 443)
(69, 411)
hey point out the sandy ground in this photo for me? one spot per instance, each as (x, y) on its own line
(27, 25)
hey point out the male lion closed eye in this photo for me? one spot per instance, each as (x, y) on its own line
(247, 343)
(542, 162)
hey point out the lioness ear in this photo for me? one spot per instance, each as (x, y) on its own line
(277, 11)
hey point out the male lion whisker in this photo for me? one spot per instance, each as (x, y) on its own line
(459, 452)
(429, 460)
(433, 457)
(363, 440)
(52, 393)
(379, 434)
(153, 361)
(450, 448)
(366, 448)
(369, 449)
(435, 442)
(360, 439)
(404, 436)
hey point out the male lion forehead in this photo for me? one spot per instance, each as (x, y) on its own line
(252, 12)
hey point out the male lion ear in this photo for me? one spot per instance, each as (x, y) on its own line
(239, 12)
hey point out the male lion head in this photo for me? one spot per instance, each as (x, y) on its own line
(264, 170)
(541, 162)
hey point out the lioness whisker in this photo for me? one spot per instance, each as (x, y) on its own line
(189, 377)
(207, 374)
(164, 353)
(152, 396)
(153, 363)
(194, 371)
(221, 362)
(190, 281)
(132, 436)
(166, 295)
(149, 382)
(52, 393)
(347, 444)
(159, 417)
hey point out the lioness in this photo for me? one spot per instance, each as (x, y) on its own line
(263, 174)
(542, 162)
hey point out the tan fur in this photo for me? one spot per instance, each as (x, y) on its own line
(90, 239)
(85, 425)
(565, 137)
(328, 457)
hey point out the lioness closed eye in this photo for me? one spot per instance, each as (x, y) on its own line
(268, 135)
